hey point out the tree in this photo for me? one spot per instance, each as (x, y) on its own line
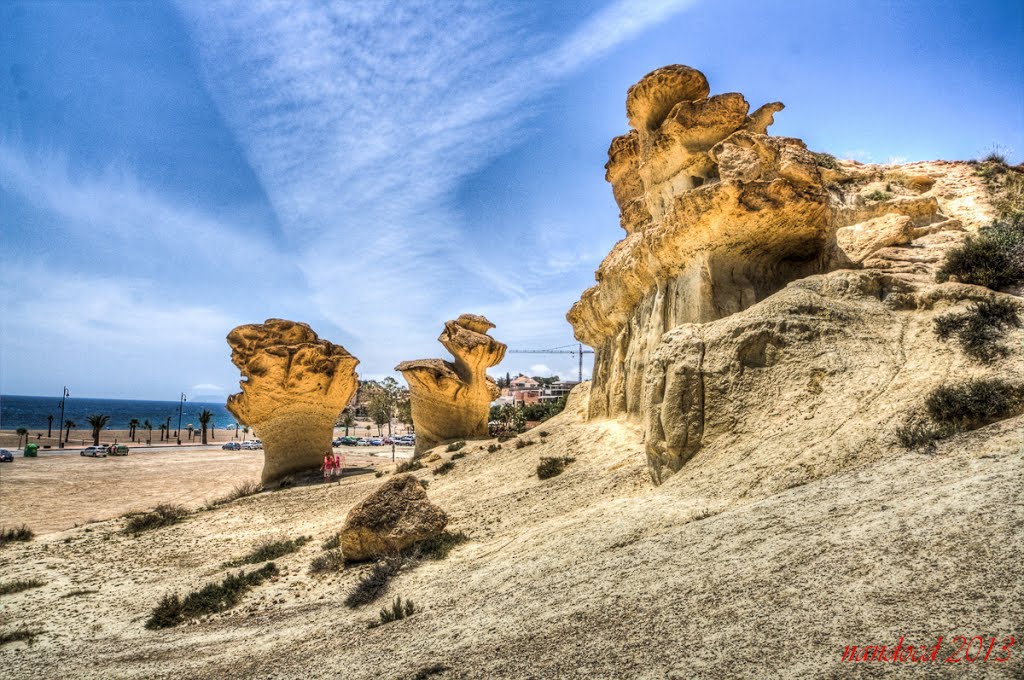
(204, 421)
(49, 426)
(163, 431)
(98, 422)
(404, 412)
(69, 424)
(190, 429)
(149, 426)
(133, 424)
(384, 402)
(346, 420)
(22, 432)
(245, 431)
(509, 419)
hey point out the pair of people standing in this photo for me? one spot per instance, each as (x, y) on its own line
(334, 465)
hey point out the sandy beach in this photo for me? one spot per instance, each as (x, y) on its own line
(59, 491)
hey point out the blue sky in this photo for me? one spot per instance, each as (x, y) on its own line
(171, 170)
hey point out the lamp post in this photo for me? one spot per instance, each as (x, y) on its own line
(177, 432)
(65, 395)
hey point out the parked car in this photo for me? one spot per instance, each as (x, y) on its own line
(117, 450)
(248, 446)
(232, 446)
(6, 456)
(362, 442)
(349, 441)
(95, 451)
(258, 443)
(336, 442)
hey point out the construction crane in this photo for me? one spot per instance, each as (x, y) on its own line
(558, 350)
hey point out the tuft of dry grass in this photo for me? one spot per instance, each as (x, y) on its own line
(162, 515)
(11, 587)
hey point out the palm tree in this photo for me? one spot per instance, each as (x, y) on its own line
(22, 432)
(49, 426)
(69, 424)
(204, 420)
(149, 426)
(132, 425)
(163, 431)
(190, 429)
(97, 422)
(245, 431)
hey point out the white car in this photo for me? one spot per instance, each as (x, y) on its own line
(249, 446)
(95, 451)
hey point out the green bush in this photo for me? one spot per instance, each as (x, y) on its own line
(162, 515)
(455, 446)
(22, 533)
(240, 491)
(915, 433)
(436, 547)
(491, 448)
(12, 587)
(409, 466)
(399, 610)
(825, 160)
(878, 196)
(971, 404)
(444, 468)
(374, 583)
(995, 258)
(552, 466)
(979, 329)
(331, 543)
(329, 561)
(269, 550)
(456, 456)
(210, 599)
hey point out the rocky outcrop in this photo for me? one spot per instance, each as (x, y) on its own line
(294, 387)
(824, 369)
(451, 400)
(718, 215)
(392, 518)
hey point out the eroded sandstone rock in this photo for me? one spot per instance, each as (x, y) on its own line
(718, 215)
(392, 518)
(451, 400)
(294, 388)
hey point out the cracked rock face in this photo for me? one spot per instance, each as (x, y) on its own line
(718, 216)
(451, 400)
(295, 386)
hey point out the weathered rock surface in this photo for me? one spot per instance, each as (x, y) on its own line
(390, 519)
(824, 368)
(451, 400)
(719, 216)
(295, 386)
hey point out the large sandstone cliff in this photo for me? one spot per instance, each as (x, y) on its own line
(695, 331)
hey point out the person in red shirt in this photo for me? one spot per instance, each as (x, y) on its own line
(328, 466)
(339, 465)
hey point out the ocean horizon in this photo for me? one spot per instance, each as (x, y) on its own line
(31, 412)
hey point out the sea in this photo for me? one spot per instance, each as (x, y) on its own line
(31, 412)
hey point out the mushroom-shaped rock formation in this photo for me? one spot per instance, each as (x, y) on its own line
(392, 518)
(718, 216)
(295, 386)
(452, 400)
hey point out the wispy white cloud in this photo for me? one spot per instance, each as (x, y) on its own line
(94, 329)
(115, 204)
(361, 120)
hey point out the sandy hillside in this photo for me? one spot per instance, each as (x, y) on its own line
(595, 573)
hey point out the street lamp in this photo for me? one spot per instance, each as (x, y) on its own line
(177, 432)
(65, 395)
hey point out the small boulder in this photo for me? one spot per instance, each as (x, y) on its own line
(390, 519)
